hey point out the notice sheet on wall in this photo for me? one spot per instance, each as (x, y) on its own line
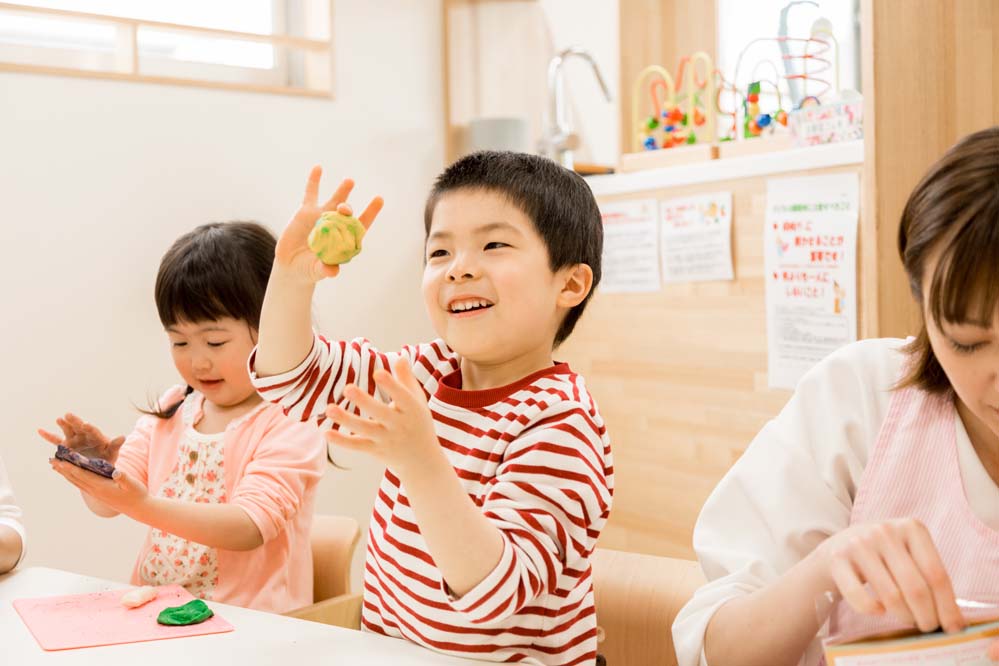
(810, 260)
(630, 259)
(696, 237)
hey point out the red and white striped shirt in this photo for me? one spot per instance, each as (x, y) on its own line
(536, 459)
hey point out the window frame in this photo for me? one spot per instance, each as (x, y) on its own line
(125, 62)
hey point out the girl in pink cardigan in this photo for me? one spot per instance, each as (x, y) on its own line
(225, 482)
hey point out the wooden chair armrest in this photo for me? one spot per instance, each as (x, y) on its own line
(342, 611)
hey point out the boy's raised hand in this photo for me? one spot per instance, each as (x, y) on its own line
(85, 438)
(293, 251)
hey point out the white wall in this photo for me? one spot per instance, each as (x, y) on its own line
(500, 57)
(97, 179)
(593, 25)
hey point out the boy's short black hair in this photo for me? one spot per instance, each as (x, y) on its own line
(558, 201)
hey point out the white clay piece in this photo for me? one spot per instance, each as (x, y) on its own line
(139, 596)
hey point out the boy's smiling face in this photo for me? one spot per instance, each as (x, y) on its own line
(488, 285)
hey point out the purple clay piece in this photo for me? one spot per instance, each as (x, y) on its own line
(95, 465)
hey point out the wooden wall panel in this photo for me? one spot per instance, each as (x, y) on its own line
(930, 76)
(680, 377)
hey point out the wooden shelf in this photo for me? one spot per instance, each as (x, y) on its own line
(656, 159)
(731, 168)
(756, 146)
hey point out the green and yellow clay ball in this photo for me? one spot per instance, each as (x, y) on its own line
(336, 238)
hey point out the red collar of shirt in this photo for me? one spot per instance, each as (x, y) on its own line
(449, 390)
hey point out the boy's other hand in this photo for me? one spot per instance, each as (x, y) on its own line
(293, 253)
(401, 433)
(84, 438)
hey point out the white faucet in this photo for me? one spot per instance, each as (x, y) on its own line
(559, 141)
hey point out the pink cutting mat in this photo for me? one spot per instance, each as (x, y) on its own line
(90, 620)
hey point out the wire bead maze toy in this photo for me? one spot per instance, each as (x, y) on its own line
(817, 58)
(683, 111)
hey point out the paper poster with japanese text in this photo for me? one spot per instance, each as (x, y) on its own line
(810, 262)
(696, 238)
(630, 261)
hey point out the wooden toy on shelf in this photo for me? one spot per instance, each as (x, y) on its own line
(680, 114)
(756, 123)
(810, 74)
(699, 113)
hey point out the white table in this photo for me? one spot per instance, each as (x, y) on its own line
(259, 638)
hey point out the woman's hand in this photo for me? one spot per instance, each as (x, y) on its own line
(893, 567)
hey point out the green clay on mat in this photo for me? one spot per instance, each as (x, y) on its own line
(193, 612)
(336, 238)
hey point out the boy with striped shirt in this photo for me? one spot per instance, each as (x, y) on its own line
(499, 475)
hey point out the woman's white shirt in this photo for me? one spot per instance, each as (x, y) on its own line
(794, 486)
(10, 512)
